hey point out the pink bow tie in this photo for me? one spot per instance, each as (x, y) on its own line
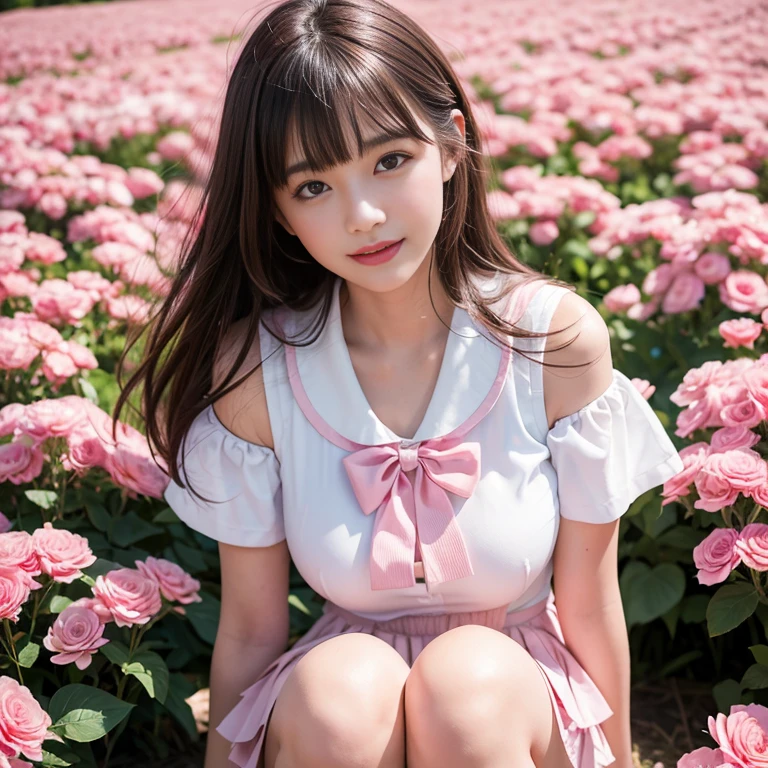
(378, 478)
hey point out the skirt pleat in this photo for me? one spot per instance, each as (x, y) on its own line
(577, 702)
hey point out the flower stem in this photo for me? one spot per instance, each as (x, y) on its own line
(12, 649)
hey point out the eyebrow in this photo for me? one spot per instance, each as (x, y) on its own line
(376, 141)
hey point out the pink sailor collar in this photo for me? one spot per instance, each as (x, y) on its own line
(473, 369)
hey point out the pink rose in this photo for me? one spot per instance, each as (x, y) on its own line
(543, 232)
(132, 467)
(752, 546)
(53, 417)
(685, 293)
(644, 387)
(129, 596)
(744, 291)
(713, 486)
(75, 636)
(621, 298)
(693, 457)
(15, 587)
(712, 267)
(733, 438)
(756, 381)
(716, 556)
(695, 383)
(18, 553)
(19, 462)
(85, 451)
(704, 757)
(62, 553)
(24, 723)
(746, 413)
(742, 332)
(743, 735)
(174, 582)
(744, 469)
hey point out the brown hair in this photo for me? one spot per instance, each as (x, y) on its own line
(305, 65)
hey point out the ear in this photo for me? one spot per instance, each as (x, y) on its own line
(283, 222)
(449, 166)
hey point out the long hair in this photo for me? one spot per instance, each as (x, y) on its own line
(309, 66)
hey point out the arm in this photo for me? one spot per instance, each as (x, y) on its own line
(586, 584)
(253, 628)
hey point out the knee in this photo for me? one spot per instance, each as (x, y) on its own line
(463, 681)
(342, 703)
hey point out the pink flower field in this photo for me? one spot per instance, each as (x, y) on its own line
(627, 150)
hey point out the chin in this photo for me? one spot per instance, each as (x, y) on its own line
(384, 278)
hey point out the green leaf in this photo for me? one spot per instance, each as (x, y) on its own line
(653, 592)
(150, 670)
(583, 219)
(27, 651)
(58, 755)
(297, 603)
(681, 536)
(166, 515)
(59, 603)
(180, 689)
(694, 609)
(192, 559)
(204, 616)
(130, 528)
(576, 248)
(116, 652)
(760, 652)
(755, 677)
(98, 515)
(44, 499)
(99, 568)
(84, 713)
(89, 391)
(729, 607)
(726, 693)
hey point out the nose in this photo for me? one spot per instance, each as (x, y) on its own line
(363, 214)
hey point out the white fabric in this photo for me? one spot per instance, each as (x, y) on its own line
(608, 453)
(241, 479)
(510, 523)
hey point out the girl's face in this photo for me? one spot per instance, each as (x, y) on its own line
(393, 192)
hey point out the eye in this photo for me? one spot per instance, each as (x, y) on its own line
(309, 184)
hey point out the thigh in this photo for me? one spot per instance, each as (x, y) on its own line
(343, 701)
(476, 697)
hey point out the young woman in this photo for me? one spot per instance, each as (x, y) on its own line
(348, 371)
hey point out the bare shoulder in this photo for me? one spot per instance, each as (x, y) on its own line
(243, 410)
(579, 337)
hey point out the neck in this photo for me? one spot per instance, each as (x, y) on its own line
(396, 319)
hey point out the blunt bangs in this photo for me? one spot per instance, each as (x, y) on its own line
(323, 102)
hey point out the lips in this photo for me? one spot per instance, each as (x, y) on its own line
(367, 249)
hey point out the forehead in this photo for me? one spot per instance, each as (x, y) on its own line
(371, 135)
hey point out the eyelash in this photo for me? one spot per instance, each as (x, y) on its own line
(297, 193)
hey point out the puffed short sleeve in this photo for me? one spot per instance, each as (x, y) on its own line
(242, 480)
(608, 453)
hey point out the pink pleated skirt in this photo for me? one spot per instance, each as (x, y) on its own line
(578, 704)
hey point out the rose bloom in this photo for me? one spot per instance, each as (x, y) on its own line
(744, 291)
(744, 469)
(543, 232)
(62, 553)
(716, 556)
(75, 636)
(742, 735)
(752, 546)
(644, 387)
(621, 298)
(693, 457)
(685, 293)
(742, 332)
(704, 757)
(712, 267)
(733, 438)
(20, 462)
(23, 722)
(15, 587)
(17, 553)
(128, 595)
(756, 382)
(174, 582)
(712, 483)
